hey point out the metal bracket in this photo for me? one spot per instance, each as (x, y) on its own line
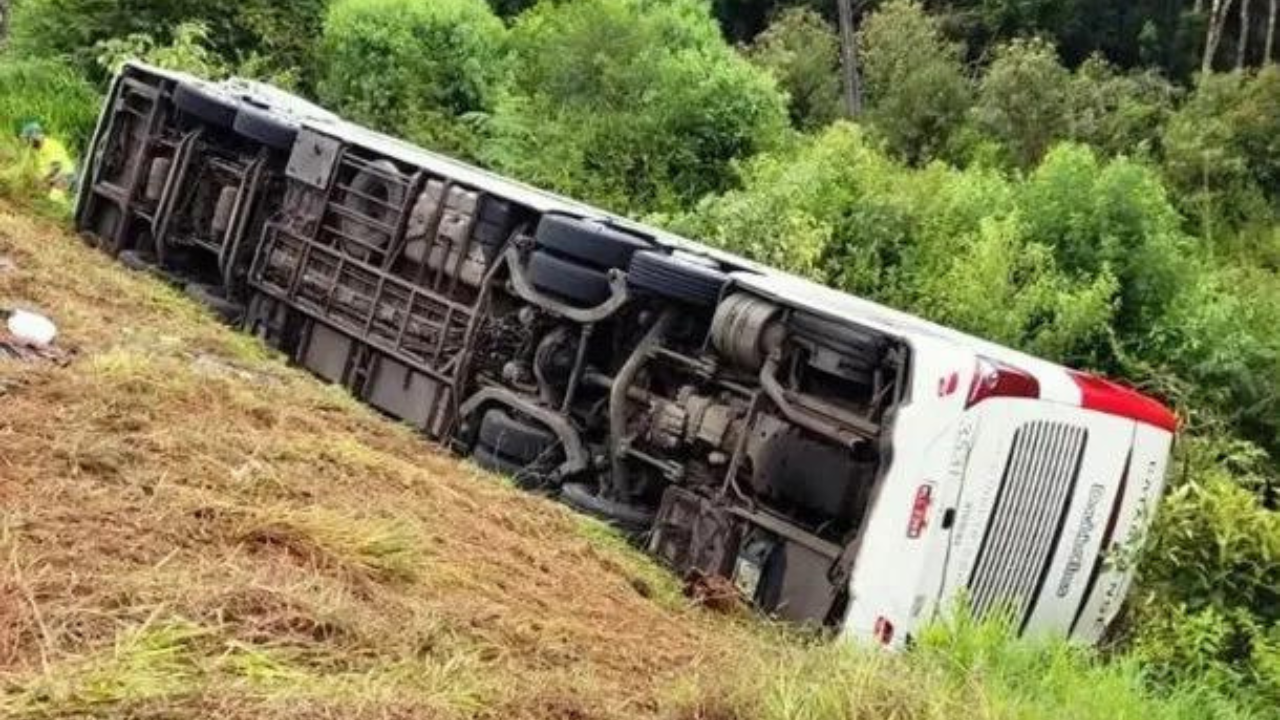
(576, 457)
(520, 285)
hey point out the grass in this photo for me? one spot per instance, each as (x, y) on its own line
(191, 529)
(51, 93)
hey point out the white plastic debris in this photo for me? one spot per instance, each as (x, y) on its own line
(32, 328)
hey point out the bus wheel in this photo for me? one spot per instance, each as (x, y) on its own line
(213, 298)
(676, 278)
(568, 279)
(588, 242)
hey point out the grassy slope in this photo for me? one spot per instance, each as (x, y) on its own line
(191, 529)
(190, 523)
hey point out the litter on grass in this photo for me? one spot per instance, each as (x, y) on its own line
(28, 336)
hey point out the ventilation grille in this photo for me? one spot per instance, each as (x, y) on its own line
(1026, 521)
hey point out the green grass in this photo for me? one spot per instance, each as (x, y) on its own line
(48, 92)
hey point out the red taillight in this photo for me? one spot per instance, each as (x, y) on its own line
(883, 630)
(1108, 397)
(995, 379)
(920, 512)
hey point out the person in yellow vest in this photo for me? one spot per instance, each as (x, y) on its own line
(56, 169)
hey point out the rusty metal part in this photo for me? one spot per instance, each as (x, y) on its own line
(157, 177)
(222, 212)
(743, 329)
(577, 458)
(522, 288)
(814, 415)
(618, 397)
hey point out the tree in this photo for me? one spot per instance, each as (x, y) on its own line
(1242, 40)
(917, 92)
(275, 36)
(1113, 217)
(1269, 44)
(1221, 152)
(189, 52)
(802, 51)
(1213, 35)
(423, 69)
(850, 73)
(1023, 99)
(1119, 113)
(634, 104)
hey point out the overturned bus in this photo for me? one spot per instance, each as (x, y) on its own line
(842, 463)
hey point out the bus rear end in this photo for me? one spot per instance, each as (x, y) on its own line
(1027, 497)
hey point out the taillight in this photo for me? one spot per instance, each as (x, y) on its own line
(920, 511)
(1108, 397)
(995, 379)
(883, 631)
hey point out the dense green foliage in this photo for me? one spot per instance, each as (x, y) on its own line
(1160, 34)
(1023, 99)
(803, 53)
(633, 104)
(270, 37)
(188, 51)
(917, 91)
(425, 69)
(50, 93)
(1222, 150)
(1043, 174)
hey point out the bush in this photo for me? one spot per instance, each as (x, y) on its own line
(1222, 153)
(1219, 338)
(637, 105)
(1023, 99)
(917, 92)
(1210, 609)
(188, 52)
(950, 245)
(50, 93)
(791, 202)
(274, 37)
(1117, 113)
(801, 50)
(1111, 217)
(421, 69)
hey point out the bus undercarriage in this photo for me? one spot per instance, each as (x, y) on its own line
(738, 435)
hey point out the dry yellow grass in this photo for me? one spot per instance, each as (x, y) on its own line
(191, 527)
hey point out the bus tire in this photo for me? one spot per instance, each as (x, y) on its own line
(567, 279)
(486, 458)
(515, 439)
(213, 298)
(676, 278)
(588, 242)
(135, 260)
